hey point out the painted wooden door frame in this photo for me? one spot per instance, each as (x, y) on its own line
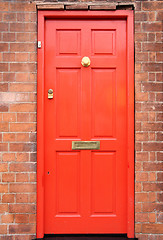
(119, 14)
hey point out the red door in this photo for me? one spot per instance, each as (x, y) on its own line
(85, 190)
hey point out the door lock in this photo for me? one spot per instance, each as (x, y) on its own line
(50, 93)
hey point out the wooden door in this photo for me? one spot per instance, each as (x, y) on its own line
(85, 190)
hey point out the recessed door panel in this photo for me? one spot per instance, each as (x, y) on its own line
(65, 45)
(103, 42)
(68, 102)
(103, 102)
(103, 195)
(85, 188)
(67, 180)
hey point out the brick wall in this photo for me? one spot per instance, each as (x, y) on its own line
(18, 35)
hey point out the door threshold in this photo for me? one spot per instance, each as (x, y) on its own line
(85, 237)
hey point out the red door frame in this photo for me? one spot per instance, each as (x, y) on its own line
(119, 14)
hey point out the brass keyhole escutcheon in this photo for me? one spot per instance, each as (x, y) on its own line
(50, 93)
(85, 61)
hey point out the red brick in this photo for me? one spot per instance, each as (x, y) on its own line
(22, 229)
(9, 137)
(22, 137)
(152, 67)
(159, 15)
(159, 176)
(22, 67)
(23, 17)
(3, 107)
(22, 208)
(152, 27)
(159, 116)
(22, 127)
(151, 106)
(138, 166)
(141, 136)
(8, 37)
(152, 228)
(160, 197)
(22, 167)
(151, 37)
(8, 198)
(3, 67)
(159, 57)
(9, 218)
(3, 87)
(22, 147)
(3, 147)
(22, 177)
(3, 229)
(23, 107)
(21, 218)
(4, 127)
(143, 56)
(141, 176)
(152, 217)
(8, 157)
(3, 208)
(8, 77)
(23, 117)
(158, 146)
(141, 217)
(3, 188)
(23, 7)
(150, 166)
(33, 177)
(152, 187)
(32, 198)
(151, 16)
(33, 157)
(23, 37)
(22, 157)
(22, 47)
(141, 156)
(21, 57)
(142, 96)
(8, 177)
(154, 47)
(9, 117)
(8, 57)
(159, 136)
(152, 126)
(22, 87)
(3, 46)
(22, 198)
(152, 5)
(141, 16)
(9, 17)
(141, 197)
(4, 6)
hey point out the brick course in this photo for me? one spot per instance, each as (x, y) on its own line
(18, 36)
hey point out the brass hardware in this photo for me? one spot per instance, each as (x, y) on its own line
(85, 145)
(50, 93)
(85, 61)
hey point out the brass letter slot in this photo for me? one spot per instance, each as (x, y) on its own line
(85, 145)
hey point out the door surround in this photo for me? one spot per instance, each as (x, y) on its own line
(119, 14)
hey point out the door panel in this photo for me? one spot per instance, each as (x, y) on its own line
(67, 183)
(85, 190)
(68, 102)
(103, 171)
(103, 102)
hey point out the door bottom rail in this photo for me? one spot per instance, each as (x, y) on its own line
(85, 237)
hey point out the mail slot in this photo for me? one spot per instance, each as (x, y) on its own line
(85, 145)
